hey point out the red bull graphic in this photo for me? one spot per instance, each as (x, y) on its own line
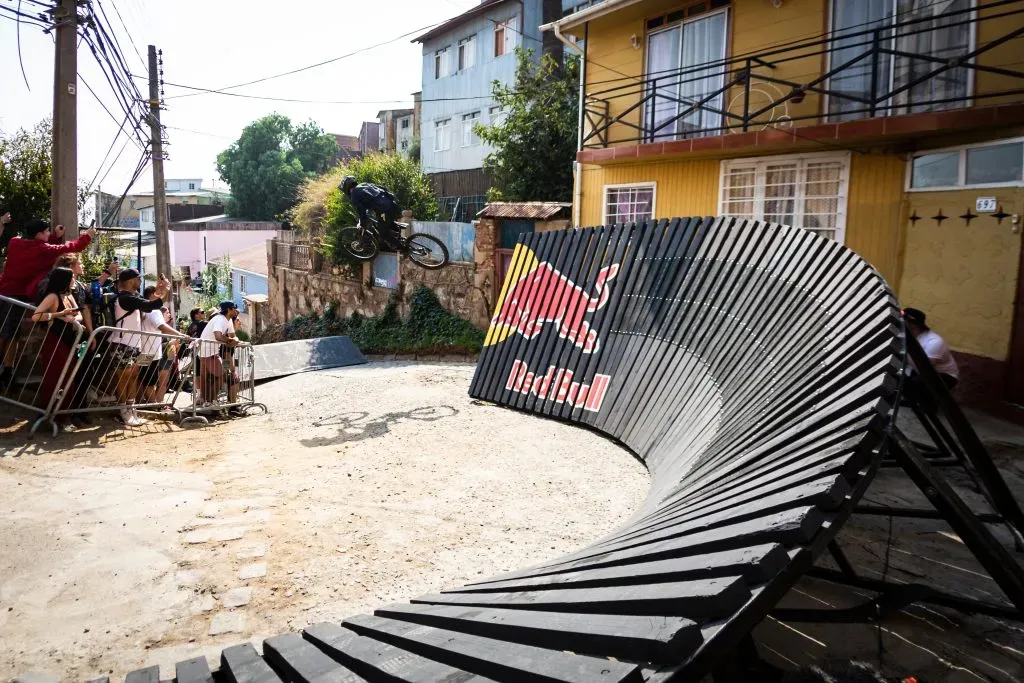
(543, 295)
(557, 385)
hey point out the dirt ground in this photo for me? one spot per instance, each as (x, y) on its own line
(378, 483)
(361, 486)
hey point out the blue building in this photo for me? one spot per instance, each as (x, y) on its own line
(461, 60)
(249, 272)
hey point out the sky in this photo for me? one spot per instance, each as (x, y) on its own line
(216, 43)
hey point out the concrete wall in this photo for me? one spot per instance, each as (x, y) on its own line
(474, 82)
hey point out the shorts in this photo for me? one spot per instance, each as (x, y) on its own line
(122, 356)
(149, 374)
(11, 317)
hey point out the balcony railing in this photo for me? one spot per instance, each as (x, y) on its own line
(294, 256)
(922, 64)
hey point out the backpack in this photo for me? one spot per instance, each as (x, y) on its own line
(383, 201)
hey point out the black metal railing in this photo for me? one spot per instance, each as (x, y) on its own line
(872, 72)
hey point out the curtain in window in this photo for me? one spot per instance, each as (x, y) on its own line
(938, 39)
(703, 43)
(852, 17)
(663, 64)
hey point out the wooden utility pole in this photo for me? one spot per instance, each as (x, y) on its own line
(163, 246)
(64, 195)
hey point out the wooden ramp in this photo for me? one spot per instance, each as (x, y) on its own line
(752, 367)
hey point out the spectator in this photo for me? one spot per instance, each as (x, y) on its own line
(29, 259)
(125, 342)
(156, 374)
(937, 350)
(198, 318)
(103, 291)
(59, 309)
(220, 331)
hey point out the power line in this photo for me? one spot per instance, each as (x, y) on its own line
(127, 32)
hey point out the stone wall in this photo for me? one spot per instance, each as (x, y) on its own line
(465, 290)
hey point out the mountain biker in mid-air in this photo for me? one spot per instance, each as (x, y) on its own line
(371, 200)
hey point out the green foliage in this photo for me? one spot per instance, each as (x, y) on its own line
(414, 149)
(217, 285)
(101, 251)
(401, 176)
(535, 140)
(429, 329)
(26, 175)
(268, 163)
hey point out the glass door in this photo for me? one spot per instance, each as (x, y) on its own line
(676, 81)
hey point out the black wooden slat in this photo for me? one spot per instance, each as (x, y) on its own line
(242, 664)
(193, 671)
(301, 662)
(659, 639)
(151, 674)
(495, 659)
(378, 661)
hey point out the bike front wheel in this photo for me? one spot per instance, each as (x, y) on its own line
(427, 251)
(360, 244)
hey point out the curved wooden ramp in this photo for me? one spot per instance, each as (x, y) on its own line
(752, 367)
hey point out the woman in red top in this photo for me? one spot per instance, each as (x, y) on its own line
(29, 259)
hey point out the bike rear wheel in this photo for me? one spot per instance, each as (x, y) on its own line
(360, 244)
(427, 251)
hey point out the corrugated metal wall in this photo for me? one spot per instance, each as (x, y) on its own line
(684, 188)
(874, 211)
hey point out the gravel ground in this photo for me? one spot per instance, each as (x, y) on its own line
(361, 486)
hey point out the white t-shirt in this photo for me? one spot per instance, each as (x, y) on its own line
(208, 344)
(128, 327)
(152, 346)
(937, 350)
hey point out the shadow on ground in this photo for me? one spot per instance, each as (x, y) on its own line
(358, 426)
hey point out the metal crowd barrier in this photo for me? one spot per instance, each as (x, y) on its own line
(106, 372)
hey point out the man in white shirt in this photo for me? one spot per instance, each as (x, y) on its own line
(938, 352)
(154, 375)
(218, 334)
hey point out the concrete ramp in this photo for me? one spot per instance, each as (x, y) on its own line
(303, 355)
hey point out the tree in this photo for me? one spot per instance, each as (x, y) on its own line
(268, 163)
(26, 175)
(534, 140)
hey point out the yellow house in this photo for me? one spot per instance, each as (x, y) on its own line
(893, 126)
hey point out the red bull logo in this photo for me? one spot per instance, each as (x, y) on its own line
(557, 385)
(543, 295)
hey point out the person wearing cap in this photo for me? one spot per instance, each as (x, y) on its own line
(937, 350)
(219, 331)
(125, 342)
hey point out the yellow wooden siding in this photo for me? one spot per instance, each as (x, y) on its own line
(756, 26)
(874, 209)
(682, 188)
(964, 276)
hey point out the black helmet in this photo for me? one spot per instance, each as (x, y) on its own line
(347, 183)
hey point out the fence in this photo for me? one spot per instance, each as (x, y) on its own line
(57, 374)
(290, 255)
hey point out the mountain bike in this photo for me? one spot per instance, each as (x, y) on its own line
(363, 243)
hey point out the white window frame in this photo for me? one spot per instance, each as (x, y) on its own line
(441, 63)
(961, 174)
(758, 163)
(884, 109)
(473, 118)
(510, 29)
(447, 125)
(651, 185)
(466, 54)
(242, 282)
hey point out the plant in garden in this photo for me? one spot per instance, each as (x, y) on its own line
(25, 176)
(534, 140)
(269, 162)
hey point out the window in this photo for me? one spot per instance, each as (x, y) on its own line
(459, 238)
(469, 137)
(682, 49)
(441, 67)
(505, 36)
(442, 135)
(405, 124)
(626, 203)
(802, 191)
(467, 53)
(997, 163)
(191, 186)
(931, 40)
(242, 284)
(496, 115)
(403, 145)
(385, 271)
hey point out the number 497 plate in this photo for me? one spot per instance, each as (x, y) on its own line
(985, 204)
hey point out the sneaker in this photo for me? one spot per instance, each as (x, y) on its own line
(139, 421)
(68, 427)
(129, 418)
(237, 411)
(81, 421)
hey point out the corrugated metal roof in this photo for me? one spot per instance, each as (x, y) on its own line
(538, 210)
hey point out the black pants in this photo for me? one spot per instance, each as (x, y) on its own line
(914, 392)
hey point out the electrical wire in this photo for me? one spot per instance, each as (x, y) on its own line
(127, 32)
(21, 63)
(109, 150)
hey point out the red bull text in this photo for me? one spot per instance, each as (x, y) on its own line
(557, 385)
(544, 295)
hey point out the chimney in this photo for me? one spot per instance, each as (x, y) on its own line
(551, 45)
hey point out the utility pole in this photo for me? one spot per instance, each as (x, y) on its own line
(64, 195)
(163, 246)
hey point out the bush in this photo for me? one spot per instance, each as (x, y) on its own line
(429, 329)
